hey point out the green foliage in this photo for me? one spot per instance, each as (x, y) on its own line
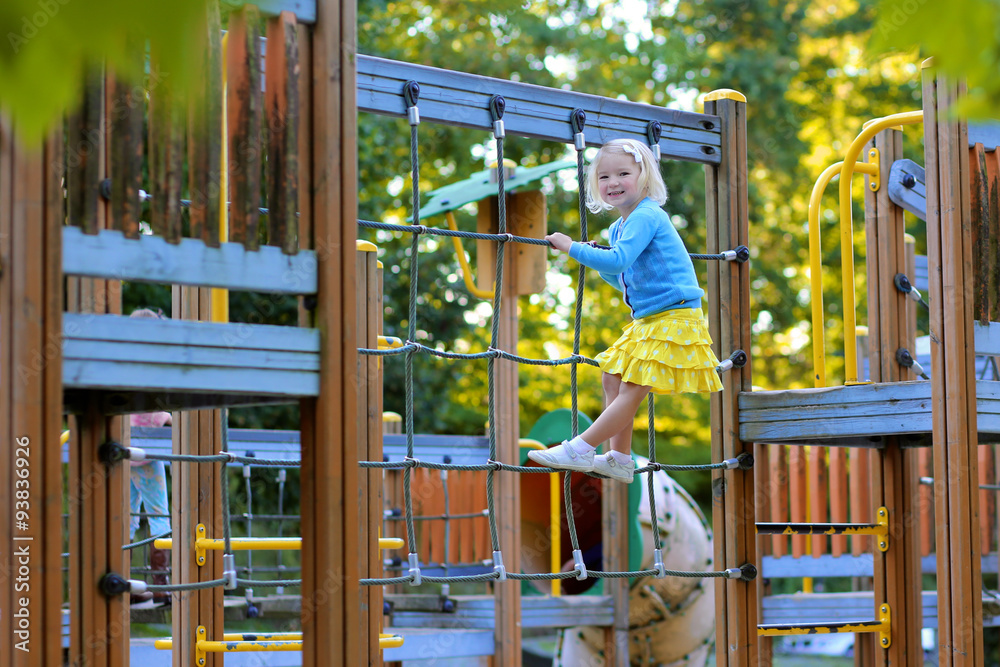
(961, 35)
(48, 45)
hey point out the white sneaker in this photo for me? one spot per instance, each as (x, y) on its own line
(608, 466)
(563, 457)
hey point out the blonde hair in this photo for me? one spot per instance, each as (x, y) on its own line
(650, 180)
(146, 313)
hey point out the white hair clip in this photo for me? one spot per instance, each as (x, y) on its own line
(632, 150)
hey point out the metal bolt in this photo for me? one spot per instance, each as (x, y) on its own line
(872, 186)
(201, 661)
(881, 544)
(885, 641)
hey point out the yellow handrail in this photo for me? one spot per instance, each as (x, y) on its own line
(555, 523)
(470, 284)
(847, 170)
(816, 265)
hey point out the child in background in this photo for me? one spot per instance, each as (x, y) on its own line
(148, 486)
(666, 347)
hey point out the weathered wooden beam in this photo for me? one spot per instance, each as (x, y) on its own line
(953, 385)
(283, 132)
(108, 254)
(735, 502)
(205, 130)
(461, 99)
(166, 157)
(330, 567)
(244, 117)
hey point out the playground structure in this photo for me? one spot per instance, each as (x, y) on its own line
(75, 361)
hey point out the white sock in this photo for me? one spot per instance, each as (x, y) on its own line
(623, 459)
(579, 446)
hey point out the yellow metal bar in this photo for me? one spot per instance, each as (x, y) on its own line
(167, 643)
(882, 626)
(390, 543)
(389, 641)
(244, 543)
(847, 231)
(470, 284)
(391, 417)
(555, 519)
(64, 438)
(220, 296)
(879, 529)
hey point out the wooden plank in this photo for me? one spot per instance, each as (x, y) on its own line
(839, 491)
(7, 435)
(244, 109)
(862, 510)
(457, 98)
(177, 332)
(84, 157)
(330, 567)
(283, 130)
(304, 40)
(980, 223)
(798, 484)
(374, 453)
(950, 270)
(715, 305)
(166, 157)
(507, 488)
(778, 463)
(205, 130)
(993, 252)
(126, 114)
(818, 492)
(109, 254)
(739, 499)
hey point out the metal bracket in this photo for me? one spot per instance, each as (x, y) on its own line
(874, 182)
(199, 546)
(885, 626)
(199, 653)
(883, 533)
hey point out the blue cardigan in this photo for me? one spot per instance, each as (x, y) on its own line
(647, 261)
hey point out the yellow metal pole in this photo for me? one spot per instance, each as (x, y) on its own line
(555, 525)
(847, 230)
(470, 284)
(220, 296)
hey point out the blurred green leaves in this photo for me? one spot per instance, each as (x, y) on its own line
(963, 36)
(46, 47)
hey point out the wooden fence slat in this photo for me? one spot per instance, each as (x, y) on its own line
(205, 130)
(980, 202)
(283, 131)
(244, 113)
(166, 146)
(818, 490)
(797, 476)
(126, 118)
(7, 434)
(84, 156)
(838, 497)
(778, 463)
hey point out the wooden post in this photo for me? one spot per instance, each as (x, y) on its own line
(894, 482)
(331, 613)
(195, 500)
(31, 583)
(949, 251)
(369, 321)
(735, 504)
(507, 488)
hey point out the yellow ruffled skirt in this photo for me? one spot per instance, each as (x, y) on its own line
(670, 352)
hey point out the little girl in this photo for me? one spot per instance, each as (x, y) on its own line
(666, 348)
(148, 487)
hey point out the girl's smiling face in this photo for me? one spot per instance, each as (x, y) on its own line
(618, 180)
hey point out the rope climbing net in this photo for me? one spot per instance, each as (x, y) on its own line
(410, 348)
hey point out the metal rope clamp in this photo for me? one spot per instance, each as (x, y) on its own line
(741, 254)
(497, 106)
(653, 133)
(414, 569)
(661, 571)
(229, 571)
(737, 359)
(579, 566)
(578, 119)
(498, 567)
(411, 93)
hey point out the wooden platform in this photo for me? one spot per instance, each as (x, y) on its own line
(850, 607)
(147, 364)
(857, 415)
